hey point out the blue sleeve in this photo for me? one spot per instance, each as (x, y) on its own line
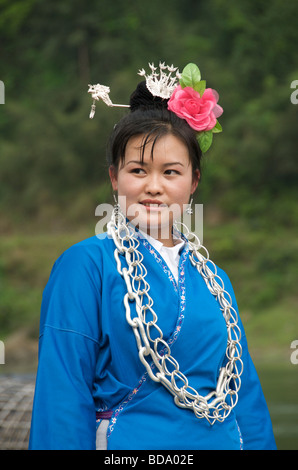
(63, 415)
(251, 410)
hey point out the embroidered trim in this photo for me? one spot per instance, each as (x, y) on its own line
(240, 435)
(159, 259)
(123, 405)
(182, 297)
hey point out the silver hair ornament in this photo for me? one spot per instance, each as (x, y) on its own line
(161, 84)
(101, 92)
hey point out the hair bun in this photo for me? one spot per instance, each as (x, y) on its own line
(142, 98)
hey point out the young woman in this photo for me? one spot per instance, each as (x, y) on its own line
(141, 344)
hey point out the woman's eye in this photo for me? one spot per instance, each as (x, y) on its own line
(172, 172)
(138, 171)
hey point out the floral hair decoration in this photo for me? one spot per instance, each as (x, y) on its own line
(190, 99)
(195, 103)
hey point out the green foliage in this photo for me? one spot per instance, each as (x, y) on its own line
(53, 171)
(51, 152)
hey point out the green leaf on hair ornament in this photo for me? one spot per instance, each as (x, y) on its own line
(200, 87)
(205, 140)
(217, 128)
(190, 76)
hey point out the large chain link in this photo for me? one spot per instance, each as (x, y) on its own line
(153, 349)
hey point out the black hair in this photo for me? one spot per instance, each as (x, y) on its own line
(149, 117)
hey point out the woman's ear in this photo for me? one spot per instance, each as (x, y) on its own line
(113, 177)
(195, 180)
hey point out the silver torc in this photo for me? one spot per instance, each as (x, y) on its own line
(153, 349)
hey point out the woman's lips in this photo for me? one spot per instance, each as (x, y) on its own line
(153, 204)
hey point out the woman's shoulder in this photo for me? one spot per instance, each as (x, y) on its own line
(92, 249)
(84, 258)
(96, 242)
(73, 291)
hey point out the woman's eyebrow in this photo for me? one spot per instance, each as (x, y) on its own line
(173, 163)
(139, 162)
(136, 162)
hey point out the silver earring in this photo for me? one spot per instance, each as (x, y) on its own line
(189, 208)
(115, 199)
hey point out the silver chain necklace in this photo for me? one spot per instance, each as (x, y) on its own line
(152, 348)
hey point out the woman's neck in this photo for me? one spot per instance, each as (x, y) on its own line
(168, 241)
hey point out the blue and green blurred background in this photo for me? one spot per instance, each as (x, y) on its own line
(53, 172)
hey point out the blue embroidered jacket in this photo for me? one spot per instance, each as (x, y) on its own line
(88, 359)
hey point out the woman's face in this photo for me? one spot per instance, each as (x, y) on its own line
(154, 192)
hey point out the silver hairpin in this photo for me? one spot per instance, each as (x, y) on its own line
(101, 92)
(160, 83)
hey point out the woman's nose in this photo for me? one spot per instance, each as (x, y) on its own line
(153, 184)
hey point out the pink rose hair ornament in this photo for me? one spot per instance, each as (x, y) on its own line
(189, 99)
(195, 103)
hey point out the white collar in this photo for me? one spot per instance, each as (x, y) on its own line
(159, 246)
(170, 254)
